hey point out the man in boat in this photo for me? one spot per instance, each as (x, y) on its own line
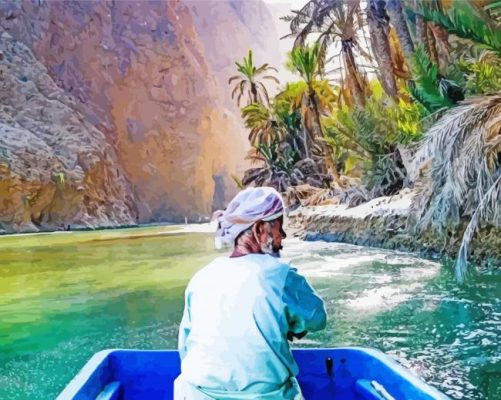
(240, 311)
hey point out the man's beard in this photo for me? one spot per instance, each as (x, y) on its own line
(271, 249)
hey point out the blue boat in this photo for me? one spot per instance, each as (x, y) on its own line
(350, 373)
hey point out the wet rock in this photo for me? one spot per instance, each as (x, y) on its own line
(383, 222)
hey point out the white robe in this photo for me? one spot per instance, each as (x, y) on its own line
(233, 335)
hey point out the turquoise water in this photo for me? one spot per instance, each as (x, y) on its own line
(64, 297)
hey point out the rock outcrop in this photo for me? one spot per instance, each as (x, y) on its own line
(55, 168)
(147, 83)
(384, 222)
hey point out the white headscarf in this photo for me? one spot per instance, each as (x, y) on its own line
(246, 208)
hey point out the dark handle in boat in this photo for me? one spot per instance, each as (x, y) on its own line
(329, 365)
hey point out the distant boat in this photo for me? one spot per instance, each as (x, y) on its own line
(349, 373)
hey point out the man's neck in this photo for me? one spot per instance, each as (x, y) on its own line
(243, 250)
(246, 244)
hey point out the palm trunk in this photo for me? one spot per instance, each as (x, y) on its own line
(378, 27)
(296, 145)
(254, 92)
(305, 135)
(305, 129)
(432, 45)
(352, 75)
(398, 20)
(421, 33)
(317, 126)
(442, 46)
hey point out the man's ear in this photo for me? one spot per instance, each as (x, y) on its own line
(257, 229)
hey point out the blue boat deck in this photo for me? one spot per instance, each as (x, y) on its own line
(325, 374)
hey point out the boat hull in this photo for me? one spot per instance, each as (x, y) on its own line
(326, 374)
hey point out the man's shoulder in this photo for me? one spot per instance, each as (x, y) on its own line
(268, 261)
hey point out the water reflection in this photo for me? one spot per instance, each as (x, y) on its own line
(62, 300)
(411, 309)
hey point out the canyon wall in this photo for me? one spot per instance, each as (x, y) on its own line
(133, 121)
(55, 168)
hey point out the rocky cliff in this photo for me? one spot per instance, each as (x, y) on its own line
(128, 109)
(55, 167)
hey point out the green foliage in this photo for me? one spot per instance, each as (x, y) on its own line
(360, 133)
(290, 127)
(381, 121)
(298, 106)
(483, 75)
(287, 159)
(291, 121)
(238, 182)
(305, 60)
(278, 164)
(409, 117)
(425, 86)
(255, 114)
(247, 68)
(370, 135)
(350, 162)
(463, 148)
(275, 156)
(59, 179)
(248, 83)
(269, 154)
(290, 98)
(464, 20)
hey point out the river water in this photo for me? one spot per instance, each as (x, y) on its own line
(66, 296)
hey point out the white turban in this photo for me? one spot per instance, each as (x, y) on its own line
(246, 208)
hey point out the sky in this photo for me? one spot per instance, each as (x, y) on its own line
(279, 8)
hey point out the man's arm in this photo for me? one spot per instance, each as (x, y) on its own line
(185, 326)
(305, 310)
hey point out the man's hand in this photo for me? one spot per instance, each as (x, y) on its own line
(292, 335)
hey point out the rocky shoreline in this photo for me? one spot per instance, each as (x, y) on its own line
(383, 222)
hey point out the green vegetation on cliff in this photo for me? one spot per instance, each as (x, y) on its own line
(385, 102)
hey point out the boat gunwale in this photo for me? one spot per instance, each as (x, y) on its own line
(99, 359)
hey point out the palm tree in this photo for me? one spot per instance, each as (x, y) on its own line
(398, 20)
(281, 168)
(465, 21)
(249, 83)
(263, 124)
(267, 157)
(464, 150)
(298, 117)
(333, 20)
(428, 87)
(442, 46)
(316, 97)
(421, 29)
(378, 21)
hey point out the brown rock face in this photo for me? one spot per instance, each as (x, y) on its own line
(54, 167)
(150, 81)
